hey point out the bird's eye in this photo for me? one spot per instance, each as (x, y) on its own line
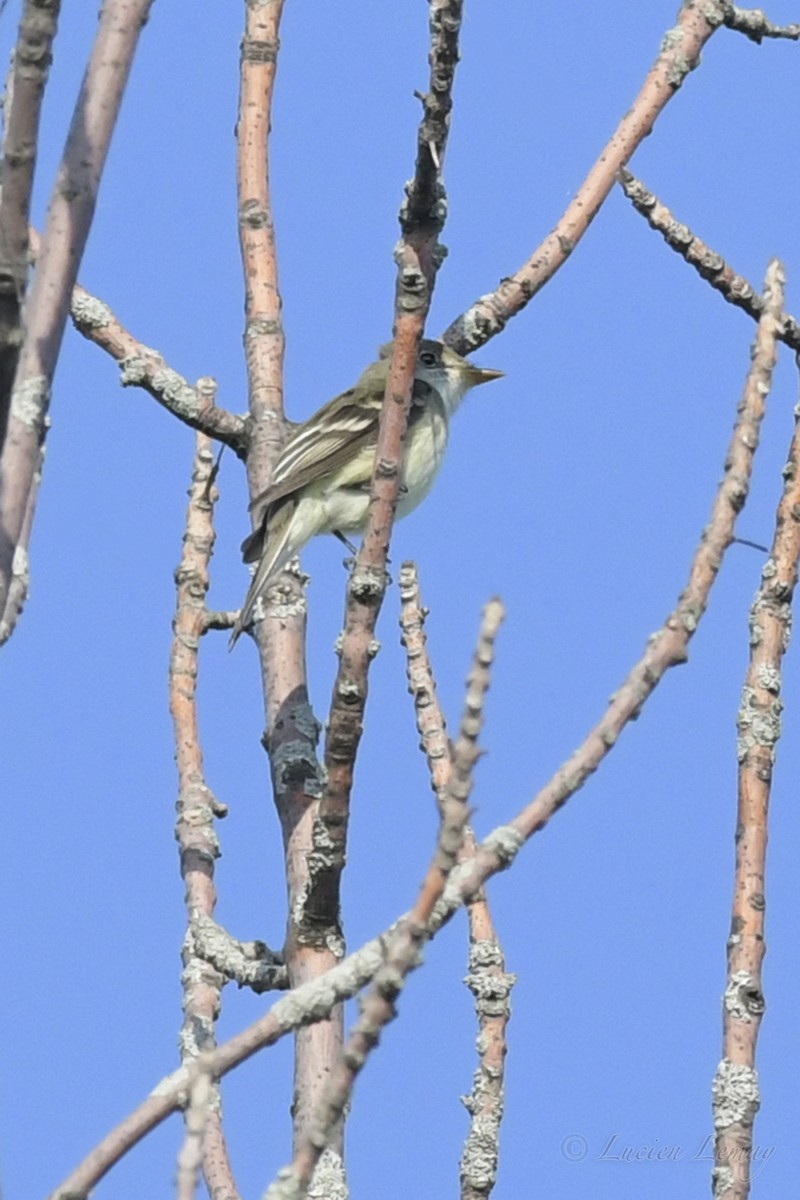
(428, 358)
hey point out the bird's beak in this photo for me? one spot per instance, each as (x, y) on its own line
(477, 375)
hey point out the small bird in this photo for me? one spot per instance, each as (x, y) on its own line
(321, 481)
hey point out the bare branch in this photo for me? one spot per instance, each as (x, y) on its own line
(141, 366)
(378, 1007)
(20, 573)
(666, 648)
(195, 833)
(23, 101)
(314, 834)
(263, 337)
(491, 986)
(306, 1004)
(418, 256)
(678, 56)
(219, 621)
(292, 731)
(430, 718)
(487, 978)
(198, 1110)
(735, 1090)
(425, 207)
(69, 218)
(281, 643)
(708, 264)
(753, 23)
(249, 964)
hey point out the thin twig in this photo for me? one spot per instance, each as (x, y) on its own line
(197, 810)
(735, 1090)
(418, 256)
(668, 647)
(141, 366)
(248, 964)
(423, 210)
(430, 718)
(708, 264)
(21, 110)
(678, 56)
(282, 647)
(318, 831)
(491, 986)
(304, 1005)
(292, 731)
(379, 1005)
(69, 218)
(190, 1157)
(753, 23)
(220, 621)
(20, 569)
(488, 980)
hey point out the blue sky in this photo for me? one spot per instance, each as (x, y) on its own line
(576, 489)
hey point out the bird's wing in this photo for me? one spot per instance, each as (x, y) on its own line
(322, 444)
(330, 439)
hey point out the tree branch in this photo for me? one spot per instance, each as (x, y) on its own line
(248, 964)
(403, 955)
(20, 564)
(735, 1090)
(431, 724)
(197, 839)
(141, 366)
(196, 1119)
(487, 978)
(491, 986)
(22, 107)
(666, 648)
(708, 264)
(292, 731)
(753, 23)
(309, 1003)
(678, 56)
(418, 257)
(69, 218)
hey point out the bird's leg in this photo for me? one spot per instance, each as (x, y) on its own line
(212, 477)
(338, 533)
(353, 549)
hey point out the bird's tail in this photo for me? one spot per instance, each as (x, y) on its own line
(278, 548)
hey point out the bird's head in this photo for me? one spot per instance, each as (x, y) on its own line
(445, 371)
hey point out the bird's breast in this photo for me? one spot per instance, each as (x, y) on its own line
(426, 443)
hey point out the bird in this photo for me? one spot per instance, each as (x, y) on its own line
(321, 480)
